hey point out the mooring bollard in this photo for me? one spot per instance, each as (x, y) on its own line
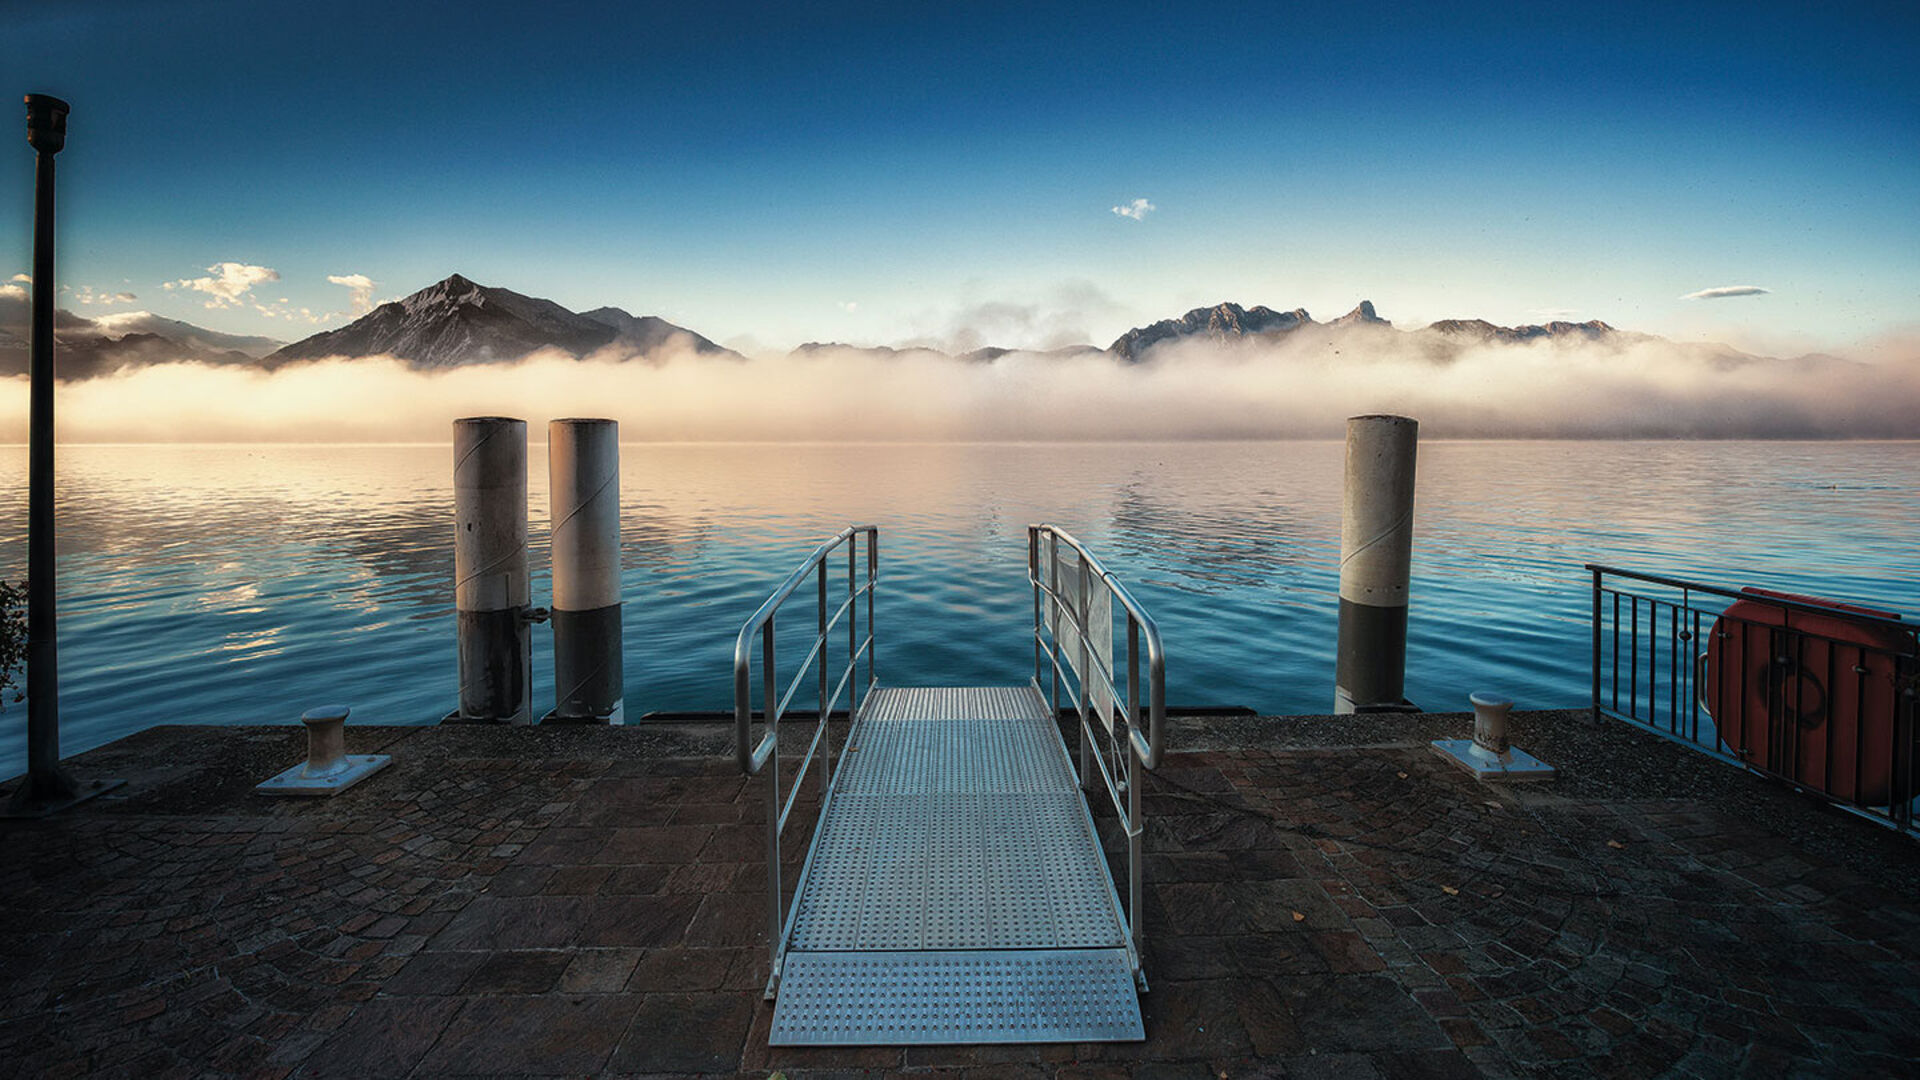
(1488, 755)
(329, 769)
(1490, 721)
(491, 586)
(1376, 554)
(583, 470)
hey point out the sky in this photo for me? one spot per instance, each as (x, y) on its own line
(1022, 174)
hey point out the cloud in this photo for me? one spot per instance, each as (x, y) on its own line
(359, 288)
(849, 306)
(25, 279)
(229, 281)
(86, 295)
(13, 292)
(1138, 209)
(1055, 317)
(1719, 291)
(292, 314)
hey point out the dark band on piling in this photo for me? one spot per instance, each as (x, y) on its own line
(495, 656)
(1371, 662)
(586, 660)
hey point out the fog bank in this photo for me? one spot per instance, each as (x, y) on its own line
(1300, 387)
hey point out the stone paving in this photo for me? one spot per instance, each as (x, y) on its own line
(590, 902)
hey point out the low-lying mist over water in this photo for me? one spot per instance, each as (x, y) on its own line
(1301, 386)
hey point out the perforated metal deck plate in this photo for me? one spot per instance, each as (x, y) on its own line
(955, 825)
(920, 998)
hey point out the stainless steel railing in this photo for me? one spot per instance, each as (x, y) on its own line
(755, 757)
(1818, 695)
(1072, 630)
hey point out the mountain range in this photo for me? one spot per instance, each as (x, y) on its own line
(458, 322)
(90, 347)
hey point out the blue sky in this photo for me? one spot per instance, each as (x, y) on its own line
(876, 173)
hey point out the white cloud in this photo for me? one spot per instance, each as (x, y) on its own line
(1137, 209)
(13, 292)
(359, 288)
(849, 306)
(25, 279)
(291, 314)
(1049, 318)
(86, 295)
(229, 281)
(1719, 291)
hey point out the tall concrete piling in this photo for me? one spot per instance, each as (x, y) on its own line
(1376, 551)
(583, 469)
(491, 586)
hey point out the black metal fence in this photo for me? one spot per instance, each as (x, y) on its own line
(1814, 692)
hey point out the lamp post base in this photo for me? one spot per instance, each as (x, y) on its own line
(26, 803)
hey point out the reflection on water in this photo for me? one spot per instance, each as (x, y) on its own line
(239, 584)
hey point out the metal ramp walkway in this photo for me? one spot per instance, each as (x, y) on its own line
(954, 889)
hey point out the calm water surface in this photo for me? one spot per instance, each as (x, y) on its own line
(242, 584)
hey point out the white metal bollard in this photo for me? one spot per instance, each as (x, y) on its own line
(329, 769)
(1488, 755)
(1490, 722)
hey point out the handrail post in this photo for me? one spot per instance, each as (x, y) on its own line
(1053, 632)
(1086, 663)
(770, 683)
(826, 726)
(853, 637)
(1033, 581)
(1136, 856)
(1133, 675)
(873, 639)
(1596, 645)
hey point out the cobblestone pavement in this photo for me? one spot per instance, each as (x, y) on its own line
(590, 901)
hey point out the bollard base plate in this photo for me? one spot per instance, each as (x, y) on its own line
(290, 782)
(616, 718)
(1515, 764)
(17, 807)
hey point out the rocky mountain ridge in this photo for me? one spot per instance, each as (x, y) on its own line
(456, 322)
(87, 348)
(1230, 323)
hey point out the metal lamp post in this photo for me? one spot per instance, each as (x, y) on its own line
(47, 787)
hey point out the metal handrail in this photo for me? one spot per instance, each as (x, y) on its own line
(1140, 749)
(1150, 746)
(754, 758)
(1654, 651)
(1894, 621)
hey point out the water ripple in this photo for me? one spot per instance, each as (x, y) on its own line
(246, 584)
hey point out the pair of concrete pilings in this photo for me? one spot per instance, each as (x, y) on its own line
(491, 582)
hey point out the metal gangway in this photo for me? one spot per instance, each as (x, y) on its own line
(954, 889)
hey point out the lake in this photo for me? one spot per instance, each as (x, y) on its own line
(247, 583)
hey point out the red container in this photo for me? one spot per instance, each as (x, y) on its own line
(1809, 696)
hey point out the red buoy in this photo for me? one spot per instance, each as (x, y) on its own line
(1807, 695)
